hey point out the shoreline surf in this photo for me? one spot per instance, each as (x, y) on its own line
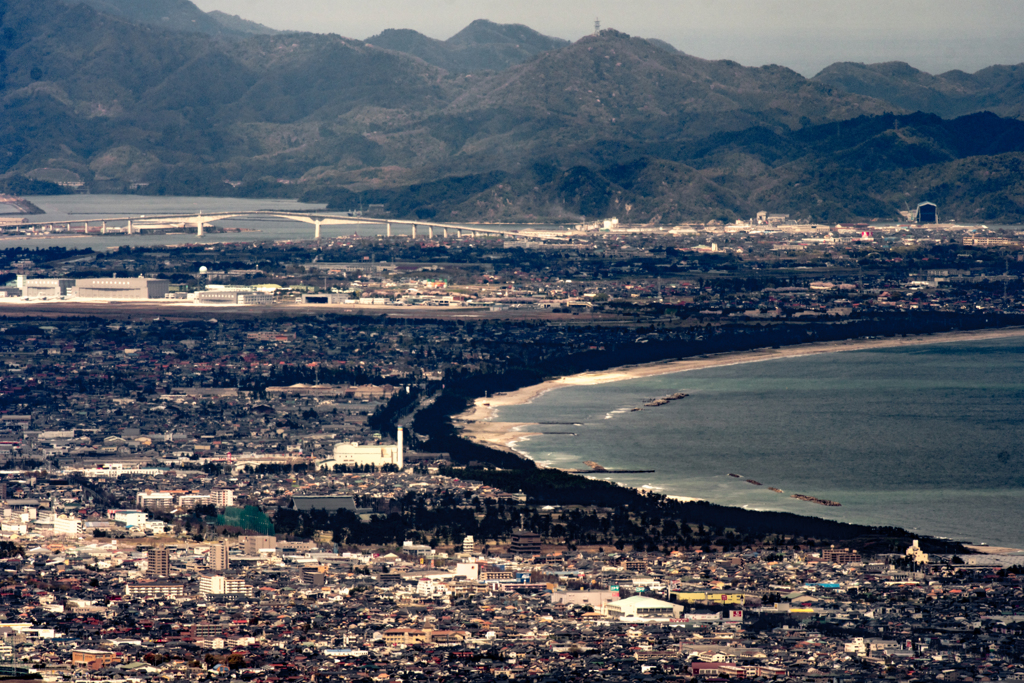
(478, 424)
(482, 421)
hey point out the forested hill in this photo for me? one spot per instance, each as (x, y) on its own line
(496, 123)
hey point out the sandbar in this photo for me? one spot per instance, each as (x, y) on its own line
(477, 423)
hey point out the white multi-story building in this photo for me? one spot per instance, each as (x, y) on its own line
(222, 498)
(154, 500)
(155, 589)
(64, 525)
(432, 589)
(216, 584)
(190, 500)
(12, 527)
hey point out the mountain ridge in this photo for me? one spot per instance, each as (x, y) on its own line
(998, 88)
(481, 46)
(608, 124)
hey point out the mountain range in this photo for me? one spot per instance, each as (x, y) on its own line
(498, 122)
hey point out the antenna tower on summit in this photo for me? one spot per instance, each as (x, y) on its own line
(597, 26)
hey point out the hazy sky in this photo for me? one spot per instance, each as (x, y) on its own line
(805, 35)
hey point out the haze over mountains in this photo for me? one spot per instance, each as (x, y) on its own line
(497, 123)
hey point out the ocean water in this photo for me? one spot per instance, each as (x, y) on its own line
(927, 438)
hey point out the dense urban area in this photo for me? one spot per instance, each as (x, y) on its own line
(273, 488)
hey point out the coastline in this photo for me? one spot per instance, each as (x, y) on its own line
(477, 423)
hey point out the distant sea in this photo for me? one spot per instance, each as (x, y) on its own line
(927, 438)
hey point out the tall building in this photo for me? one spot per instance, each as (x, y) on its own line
(222, 498)
(158, 562)
(469, 545)
(218, 557)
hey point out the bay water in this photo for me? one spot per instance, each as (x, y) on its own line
(928, 438)
(62, 208)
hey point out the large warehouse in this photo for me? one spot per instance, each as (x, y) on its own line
(36, 288)
(94, 288)
(926, 213)
(121, 288)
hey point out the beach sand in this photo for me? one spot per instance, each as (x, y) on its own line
(993, 550)
(477, 423)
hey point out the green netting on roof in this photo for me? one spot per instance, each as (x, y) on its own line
(250, 517)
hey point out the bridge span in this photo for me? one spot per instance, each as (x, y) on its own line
(149, 224)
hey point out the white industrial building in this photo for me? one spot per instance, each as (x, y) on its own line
(356, 455)
(94, 288)
(38, 288)
(120, 288)
(326, 298)
(255, 299)
(129, 518)
(233, 297)
(639, 607)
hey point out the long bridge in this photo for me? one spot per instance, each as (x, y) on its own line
(143, 224)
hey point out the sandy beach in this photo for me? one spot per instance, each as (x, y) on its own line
(993, 550)
(477, 423)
